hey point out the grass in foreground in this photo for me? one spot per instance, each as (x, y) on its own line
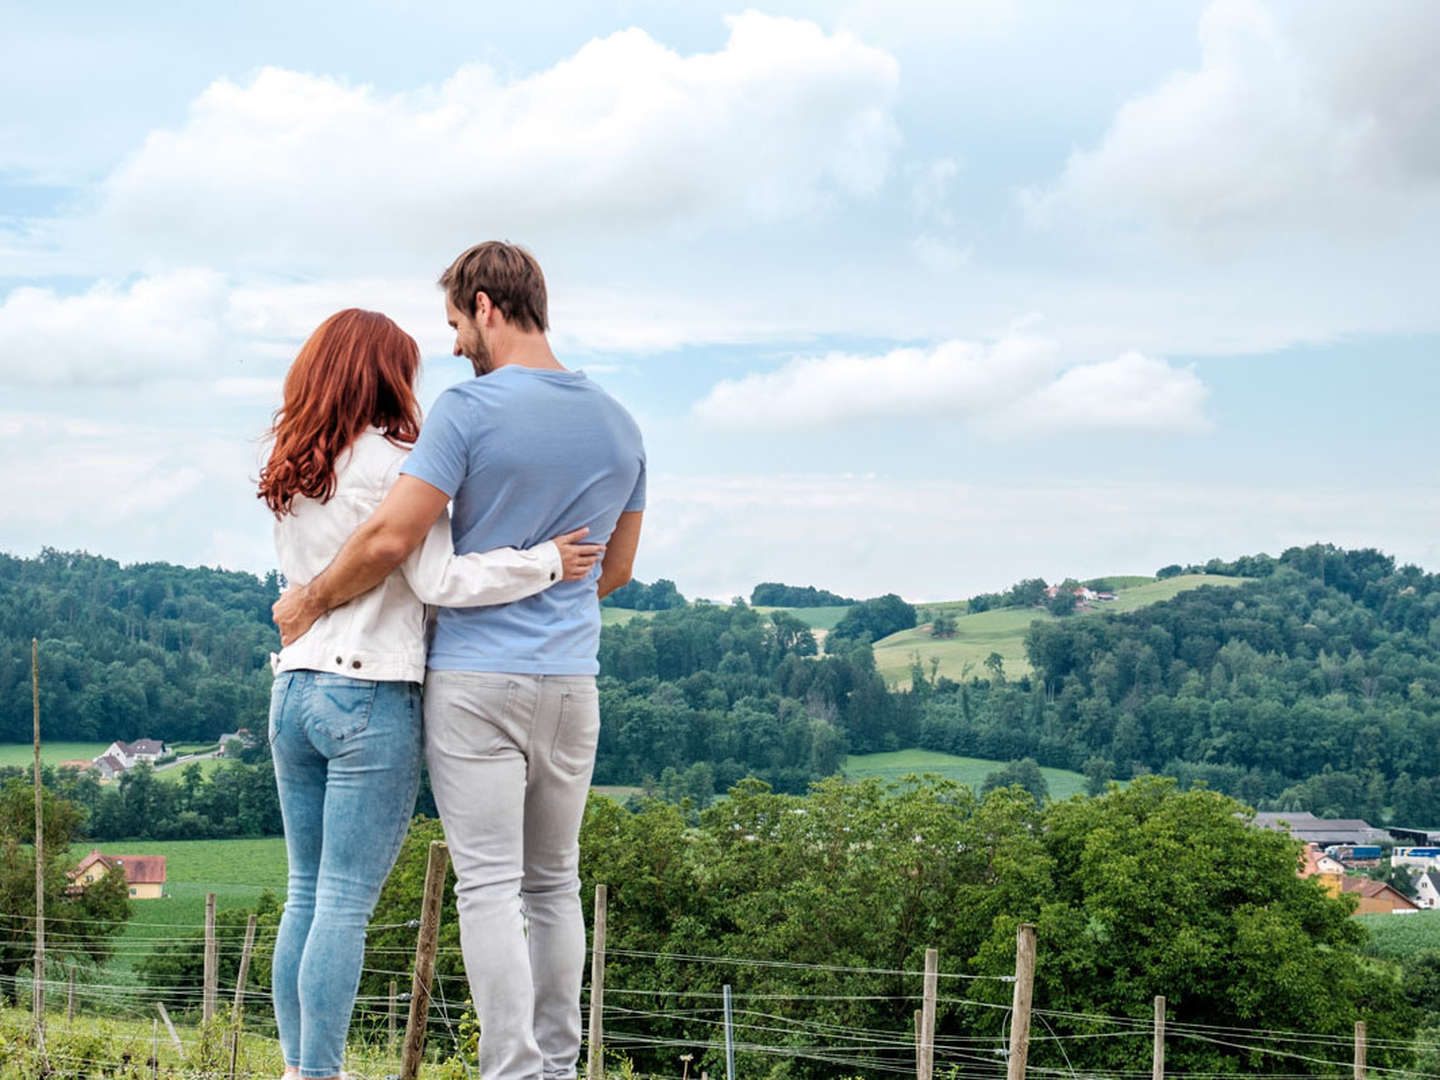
(969, 771)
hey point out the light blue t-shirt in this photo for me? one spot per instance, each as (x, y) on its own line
(526, 455)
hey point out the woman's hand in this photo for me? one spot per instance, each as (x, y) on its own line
(578, 559)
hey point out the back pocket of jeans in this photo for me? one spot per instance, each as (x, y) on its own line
(339, 705)
(578, 732)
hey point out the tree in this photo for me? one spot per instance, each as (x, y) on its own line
(1173, 570)
(774, 594)
(874, 619)
(1025, 774)
(943, 626)
(1062, 603)
(91, 917)
(995, 664)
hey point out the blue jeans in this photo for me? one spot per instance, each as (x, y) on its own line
(347, 764)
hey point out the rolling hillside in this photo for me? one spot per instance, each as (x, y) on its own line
(977, 636)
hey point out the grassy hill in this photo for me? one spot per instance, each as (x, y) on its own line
(969, 771)
(977, 636)
(23, 754)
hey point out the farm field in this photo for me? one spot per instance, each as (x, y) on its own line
(817, 618)
(51, 753)
(618, 616)
(977, 636)
(969, 771)
(1395, 937)
(236, 871)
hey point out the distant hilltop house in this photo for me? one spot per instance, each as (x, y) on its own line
(121, 757)
(243, 736)
(1314, 862)
(1083, 594)
(144, 874)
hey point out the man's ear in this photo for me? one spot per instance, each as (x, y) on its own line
(482, 306)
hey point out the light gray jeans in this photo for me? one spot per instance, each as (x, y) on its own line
(510, 760)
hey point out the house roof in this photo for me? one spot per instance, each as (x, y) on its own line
(1433, 876)
(138, 869)
(1304, 825)
(143, 746)
(1373, 889)
(110, 760)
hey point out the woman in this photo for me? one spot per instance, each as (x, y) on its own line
(345, 708)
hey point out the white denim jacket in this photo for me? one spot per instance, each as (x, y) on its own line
(381, 634)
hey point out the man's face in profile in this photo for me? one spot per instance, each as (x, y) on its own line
(469, 339)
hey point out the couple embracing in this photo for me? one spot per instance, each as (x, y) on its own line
(544, 475)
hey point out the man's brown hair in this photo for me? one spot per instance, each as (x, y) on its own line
(506, 273)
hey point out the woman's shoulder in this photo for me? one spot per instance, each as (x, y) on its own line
(375, 460)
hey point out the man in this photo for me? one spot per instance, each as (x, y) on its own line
(511, 712)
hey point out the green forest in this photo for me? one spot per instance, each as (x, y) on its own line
(1313, 685)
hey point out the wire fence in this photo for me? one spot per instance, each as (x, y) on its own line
(767, 1025)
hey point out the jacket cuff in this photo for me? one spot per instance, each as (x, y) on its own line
(549, 553)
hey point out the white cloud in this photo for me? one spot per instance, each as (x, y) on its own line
(1313, 119)
(1015, 383)
(1130, 393)
(168, 324)
(294, 170)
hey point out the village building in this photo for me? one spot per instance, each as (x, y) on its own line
(122, 756)
(144, 874)
(1427, 889)
(1303, 825)
(1376, 897)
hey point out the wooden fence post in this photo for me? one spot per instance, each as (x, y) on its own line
(238, 1008)
(919, 1054)
(595, 1065)
(212, 957)
(927, 1015)
(37, 996)
(425, 944)
(1157, 1058)
(1020, 1007)
(394, 996)
(1359, 1050)
(154, 1049)
(70, 999)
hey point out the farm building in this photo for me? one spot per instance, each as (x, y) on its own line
(144, 874)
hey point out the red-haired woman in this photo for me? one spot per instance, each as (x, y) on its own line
(345, 708)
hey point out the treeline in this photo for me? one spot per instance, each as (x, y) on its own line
(235, 799)
(150, 650)
(1316, 687)
(775, 594)
(637, 596)
(742, 693)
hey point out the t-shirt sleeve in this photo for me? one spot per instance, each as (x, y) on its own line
(441, 455)
(637, 495)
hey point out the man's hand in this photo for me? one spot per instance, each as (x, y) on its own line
(294, 613)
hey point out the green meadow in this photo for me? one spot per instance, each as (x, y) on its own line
(51, 753)
(969, 771)
(1003, 632)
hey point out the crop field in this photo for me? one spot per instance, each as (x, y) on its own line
(969, 771)
(236, 871)
(1003, 632)
(1395, 937)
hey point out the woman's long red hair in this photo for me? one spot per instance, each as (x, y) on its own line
(356, 371)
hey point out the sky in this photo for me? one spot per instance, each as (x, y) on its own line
(910, 297)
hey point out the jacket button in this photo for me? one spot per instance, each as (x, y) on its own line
(339, 659)
(552, 575)
(355, 663)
